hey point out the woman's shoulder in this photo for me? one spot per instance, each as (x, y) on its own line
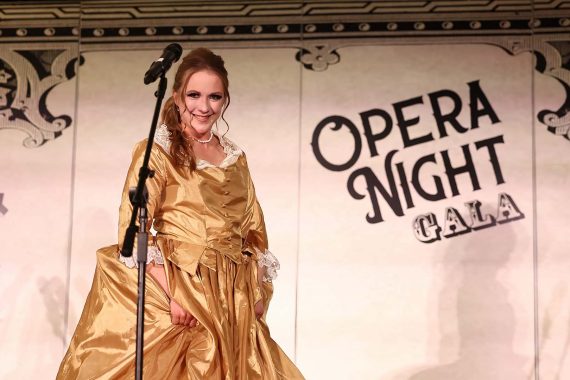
(157, 150)
(159, 156)
(160, 146)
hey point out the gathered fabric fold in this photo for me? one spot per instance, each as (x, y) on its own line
(228, 342)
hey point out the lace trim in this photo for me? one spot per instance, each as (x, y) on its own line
(231, 149)
(268, 260)
(153, 254)
(162, 137)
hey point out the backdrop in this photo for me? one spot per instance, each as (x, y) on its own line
(413, 192)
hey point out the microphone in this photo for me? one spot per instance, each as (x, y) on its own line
(170, 54)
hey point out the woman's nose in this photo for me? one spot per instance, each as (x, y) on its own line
(203, 104)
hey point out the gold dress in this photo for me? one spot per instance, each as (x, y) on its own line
(210, 235)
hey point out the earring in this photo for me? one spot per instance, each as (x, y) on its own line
(178, 114)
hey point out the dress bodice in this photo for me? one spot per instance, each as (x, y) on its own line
(210, 210)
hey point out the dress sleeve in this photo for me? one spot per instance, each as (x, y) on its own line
(155, 186)
(255, 241)
(253, 227)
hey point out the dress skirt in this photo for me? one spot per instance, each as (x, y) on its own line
(228, 342)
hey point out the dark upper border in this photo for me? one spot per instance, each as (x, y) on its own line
(101, 22)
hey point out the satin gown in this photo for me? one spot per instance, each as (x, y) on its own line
(211, 233)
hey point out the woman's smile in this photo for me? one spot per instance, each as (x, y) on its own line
(201, 117)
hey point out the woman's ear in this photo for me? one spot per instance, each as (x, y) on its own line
(176, 98)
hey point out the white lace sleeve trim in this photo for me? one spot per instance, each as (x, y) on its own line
(162, 137)
(268, 260)
(153, 254)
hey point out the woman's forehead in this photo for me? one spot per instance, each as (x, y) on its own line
(205, 78)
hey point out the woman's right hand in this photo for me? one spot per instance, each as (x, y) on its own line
(179, 316)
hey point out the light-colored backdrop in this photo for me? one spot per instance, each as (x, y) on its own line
(353, 299)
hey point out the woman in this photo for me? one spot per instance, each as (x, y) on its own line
(209, 268)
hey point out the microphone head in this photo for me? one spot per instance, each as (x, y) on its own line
(175, 50)
(170, 54)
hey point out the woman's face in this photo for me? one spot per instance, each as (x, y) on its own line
(203, 102)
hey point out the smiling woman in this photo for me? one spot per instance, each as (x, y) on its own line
(203, 100)
(200, 97)
(201, 105)
(209, 270)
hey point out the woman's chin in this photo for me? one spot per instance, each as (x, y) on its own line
(202, 129)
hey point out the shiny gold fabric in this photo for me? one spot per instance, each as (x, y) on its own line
(206, 221)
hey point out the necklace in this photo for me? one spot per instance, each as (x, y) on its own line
(204, 141)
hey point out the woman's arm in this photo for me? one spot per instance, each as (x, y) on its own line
(178, 315)
(155, 186)
(255, 242)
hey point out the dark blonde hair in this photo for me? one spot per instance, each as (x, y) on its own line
(197, 60)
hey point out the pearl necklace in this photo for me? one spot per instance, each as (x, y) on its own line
(204, 141)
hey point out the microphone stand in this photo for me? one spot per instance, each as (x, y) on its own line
(139, 198)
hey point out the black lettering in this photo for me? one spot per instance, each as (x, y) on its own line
(452, 172)
(439, 193)
(404, 185)
(404, 123)
(507, 211)
(478, 221)
(450, 117)
(373, 184)
(476, 96)
(426, 228)
(371, 138)
(338, 122)
(454, 223)
(490, 145)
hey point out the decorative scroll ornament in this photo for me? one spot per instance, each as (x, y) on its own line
(549, 62)
(26, 79)
(318, 57)
(559, 125)
(558, 122)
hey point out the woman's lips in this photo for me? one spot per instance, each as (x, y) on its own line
(201, 117)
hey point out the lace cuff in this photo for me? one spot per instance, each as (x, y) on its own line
(153, 254)
(268, 260)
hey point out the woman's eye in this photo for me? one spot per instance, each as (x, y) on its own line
(216, 97)
(193, 94)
